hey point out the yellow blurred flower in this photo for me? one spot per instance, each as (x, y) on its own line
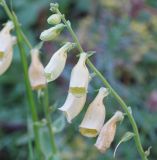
(138, 27)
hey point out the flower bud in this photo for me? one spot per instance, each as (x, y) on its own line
(52, 33)
(54, 19)
(73, 106)
(95, 115)
(36, 71)
(108, 131)
(6, 47)
(57, 62)
(79, 77)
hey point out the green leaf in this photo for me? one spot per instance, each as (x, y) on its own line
(147, 152)
(59, 124)
(45, 142)
(126, 137)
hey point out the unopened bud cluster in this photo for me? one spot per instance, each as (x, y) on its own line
(93, 123)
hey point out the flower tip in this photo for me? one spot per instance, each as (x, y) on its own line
(83, 55)
(10, 25)
(119, 115)
(104, 91)
(99, 148)
(68, 117)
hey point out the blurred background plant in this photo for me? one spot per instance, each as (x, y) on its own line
(123, 34)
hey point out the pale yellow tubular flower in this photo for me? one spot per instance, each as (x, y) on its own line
(54, 19)
(36, 71)
(73, 106)
(108, 131)
(57, 62)
(52, 33)
(95, 115)
(6, 47)
(79, 77)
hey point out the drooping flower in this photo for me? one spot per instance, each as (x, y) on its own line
(57, 62)
(79, 77)
(73, 106)
(95, 115)
(108, 131)
(52, 33)
(6, 47)
(54, 19)
(36, 71)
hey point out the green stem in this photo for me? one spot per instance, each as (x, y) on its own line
(34, 115)
(48, 119)
(27, 83)
(113, 92)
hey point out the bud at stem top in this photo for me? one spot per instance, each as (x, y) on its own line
(52, 33)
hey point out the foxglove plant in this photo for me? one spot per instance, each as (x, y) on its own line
(92, 124)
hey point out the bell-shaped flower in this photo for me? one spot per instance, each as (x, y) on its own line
(6, 47)
(54, 19)
(73, 106)
(36, 71)
(108, 131)
(79, 77)
(57, 62)
(95, 115)
(52, 33)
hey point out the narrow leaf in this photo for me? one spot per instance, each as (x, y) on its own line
(147, 152)
(126, 137)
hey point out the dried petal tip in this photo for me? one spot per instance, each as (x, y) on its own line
(73, 106)
(57, 62)
(79, 77)
(36, 71)
(95, 116)
(52, 33)
(103, 91)
(6, 47)
(107, 133)
(54, 19)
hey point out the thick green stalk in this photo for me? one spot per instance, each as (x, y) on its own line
(113, 92)
(49, 123)
(22, 35)
(27, 83)
(20, 38)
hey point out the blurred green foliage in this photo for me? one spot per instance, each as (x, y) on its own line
(124, 35)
